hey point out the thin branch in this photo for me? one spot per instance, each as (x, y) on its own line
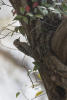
(10, 24)
(3, 3)
(5, 36)
(31, 79)
(23, 47)
(7, 29)
(24, 95)
(28, 73)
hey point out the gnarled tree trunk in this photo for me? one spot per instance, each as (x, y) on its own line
(49, 49)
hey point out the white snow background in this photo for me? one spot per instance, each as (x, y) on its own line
(13, 76)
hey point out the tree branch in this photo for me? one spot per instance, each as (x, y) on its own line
(23, 47)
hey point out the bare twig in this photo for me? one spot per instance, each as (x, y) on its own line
(24, 95)
(5, 36)
(3, 3)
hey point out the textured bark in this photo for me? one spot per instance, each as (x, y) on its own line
(49, 49)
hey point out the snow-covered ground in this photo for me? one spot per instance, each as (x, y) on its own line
(13, 74)
(13, 79)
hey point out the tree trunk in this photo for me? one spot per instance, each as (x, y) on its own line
(49, 49)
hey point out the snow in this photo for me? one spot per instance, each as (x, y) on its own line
(13, 75)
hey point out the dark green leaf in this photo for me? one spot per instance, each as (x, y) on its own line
(17, 94)
(34, 0)
(35, 10)
(39, 16)
(12, 33)
(36, 66)
(22, 10)
(16, 29)
(30, 14)
(25, 19)
(43, 10)
(64, 6)
(18, 17)
(21, 30)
